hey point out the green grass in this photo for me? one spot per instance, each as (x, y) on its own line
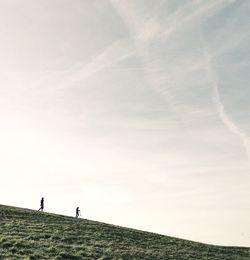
(28, 234)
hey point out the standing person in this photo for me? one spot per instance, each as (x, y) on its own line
(41, 204)
(78, 212)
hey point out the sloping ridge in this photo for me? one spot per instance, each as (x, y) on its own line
(28, 234)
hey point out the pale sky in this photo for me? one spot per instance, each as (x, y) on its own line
(135, 111)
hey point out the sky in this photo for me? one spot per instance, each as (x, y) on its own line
(137, 111)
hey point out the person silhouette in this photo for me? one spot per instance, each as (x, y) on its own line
(78, 212)
(41, 204)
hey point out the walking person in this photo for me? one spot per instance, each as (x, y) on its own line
(78, 212)
(41, 204)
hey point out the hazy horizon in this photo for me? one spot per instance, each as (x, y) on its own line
(135, 111)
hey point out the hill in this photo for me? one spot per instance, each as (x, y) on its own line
(28, 234)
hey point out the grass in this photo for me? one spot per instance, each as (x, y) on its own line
(28, 234)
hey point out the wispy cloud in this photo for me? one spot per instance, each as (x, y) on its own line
(225, 119)
(190, 12)
(109, 56)
(147, 26)
(148, 30)
(106, 58)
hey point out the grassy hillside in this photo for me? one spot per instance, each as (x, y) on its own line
(28, 234)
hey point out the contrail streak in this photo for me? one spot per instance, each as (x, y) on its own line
(231, 126)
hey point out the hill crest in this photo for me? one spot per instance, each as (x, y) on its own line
(29, 234)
